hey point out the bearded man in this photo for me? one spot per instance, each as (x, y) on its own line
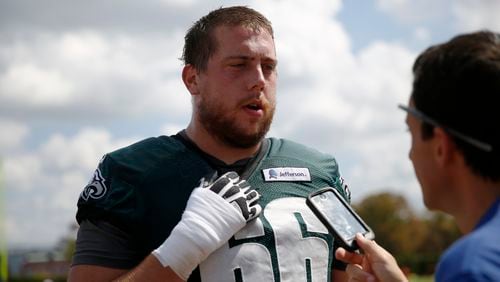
(140, 217)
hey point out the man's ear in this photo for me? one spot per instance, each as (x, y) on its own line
(190, 78)
(444, 148)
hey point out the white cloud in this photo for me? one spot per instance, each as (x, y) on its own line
(86, 49)
(79, 152)
(30, 85)
(179, 3)
(22, 172)
(312, 36)
(43, 185)
(361, 97)
(13, 134)
(473, 15)
(172, 128)
(312, 50)
(465, 15)
(374, 129)
(285, 10)
(90, 74)
(408, 11)
(422, 34)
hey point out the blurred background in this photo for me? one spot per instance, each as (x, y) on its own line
(81, 78)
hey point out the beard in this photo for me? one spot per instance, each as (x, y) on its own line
(225, 127)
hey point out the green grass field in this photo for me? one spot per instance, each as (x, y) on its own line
(416, 278)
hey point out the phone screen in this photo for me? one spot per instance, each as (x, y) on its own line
(338, 215)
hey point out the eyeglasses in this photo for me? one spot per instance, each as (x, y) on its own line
(471, 141)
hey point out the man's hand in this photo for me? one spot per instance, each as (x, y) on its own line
(215, 211)
(376, 264)
(237, 192)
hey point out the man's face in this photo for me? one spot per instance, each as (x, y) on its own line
(421, 156)
(237, 91)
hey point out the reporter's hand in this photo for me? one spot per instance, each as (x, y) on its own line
(215, 211)
(376, 264)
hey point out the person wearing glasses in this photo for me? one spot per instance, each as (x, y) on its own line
(453, 117)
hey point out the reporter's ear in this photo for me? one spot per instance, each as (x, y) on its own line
(444, 147)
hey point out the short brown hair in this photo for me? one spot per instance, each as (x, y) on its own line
(199, 42)
(458, 84)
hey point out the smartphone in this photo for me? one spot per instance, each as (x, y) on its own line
(338, 216)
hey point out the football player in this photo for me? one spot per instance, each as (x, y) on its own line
(146, 216)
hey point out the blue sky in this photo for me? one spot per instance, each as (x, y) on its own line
(78, 79)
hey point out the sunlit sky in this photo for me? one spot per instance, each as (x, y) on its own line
(81, 78)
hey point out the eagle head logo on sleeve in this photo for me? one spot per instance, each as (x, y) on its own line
(96, 187)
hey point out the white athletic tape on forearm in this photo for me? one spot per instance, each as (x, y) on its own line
(207, 223)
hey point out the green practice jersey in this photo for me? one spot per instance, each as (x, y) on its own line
(143, 189)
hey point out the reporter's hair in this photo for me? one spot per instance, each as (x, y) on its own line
(200, 42)
(458, 84)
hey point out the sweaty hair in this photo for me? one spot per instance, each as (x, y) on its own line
(200, 42)
(458, 84)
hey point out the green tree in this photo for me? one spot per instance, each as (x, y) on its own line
(392, 220)
(415, 241)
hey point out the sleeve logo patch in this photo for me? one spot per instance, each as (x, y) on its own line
(96, 187)
(346, 188)
(287, 174)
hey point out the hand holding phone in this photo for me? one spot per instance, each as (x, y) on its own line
(338, 216)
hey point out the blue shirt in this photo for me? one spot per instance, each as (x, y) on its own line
(475, 257)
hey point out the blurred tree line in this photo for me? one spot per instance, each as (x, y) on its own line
(416, 241)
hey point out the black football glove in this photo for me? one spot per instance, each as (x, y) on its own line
(236, 191)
